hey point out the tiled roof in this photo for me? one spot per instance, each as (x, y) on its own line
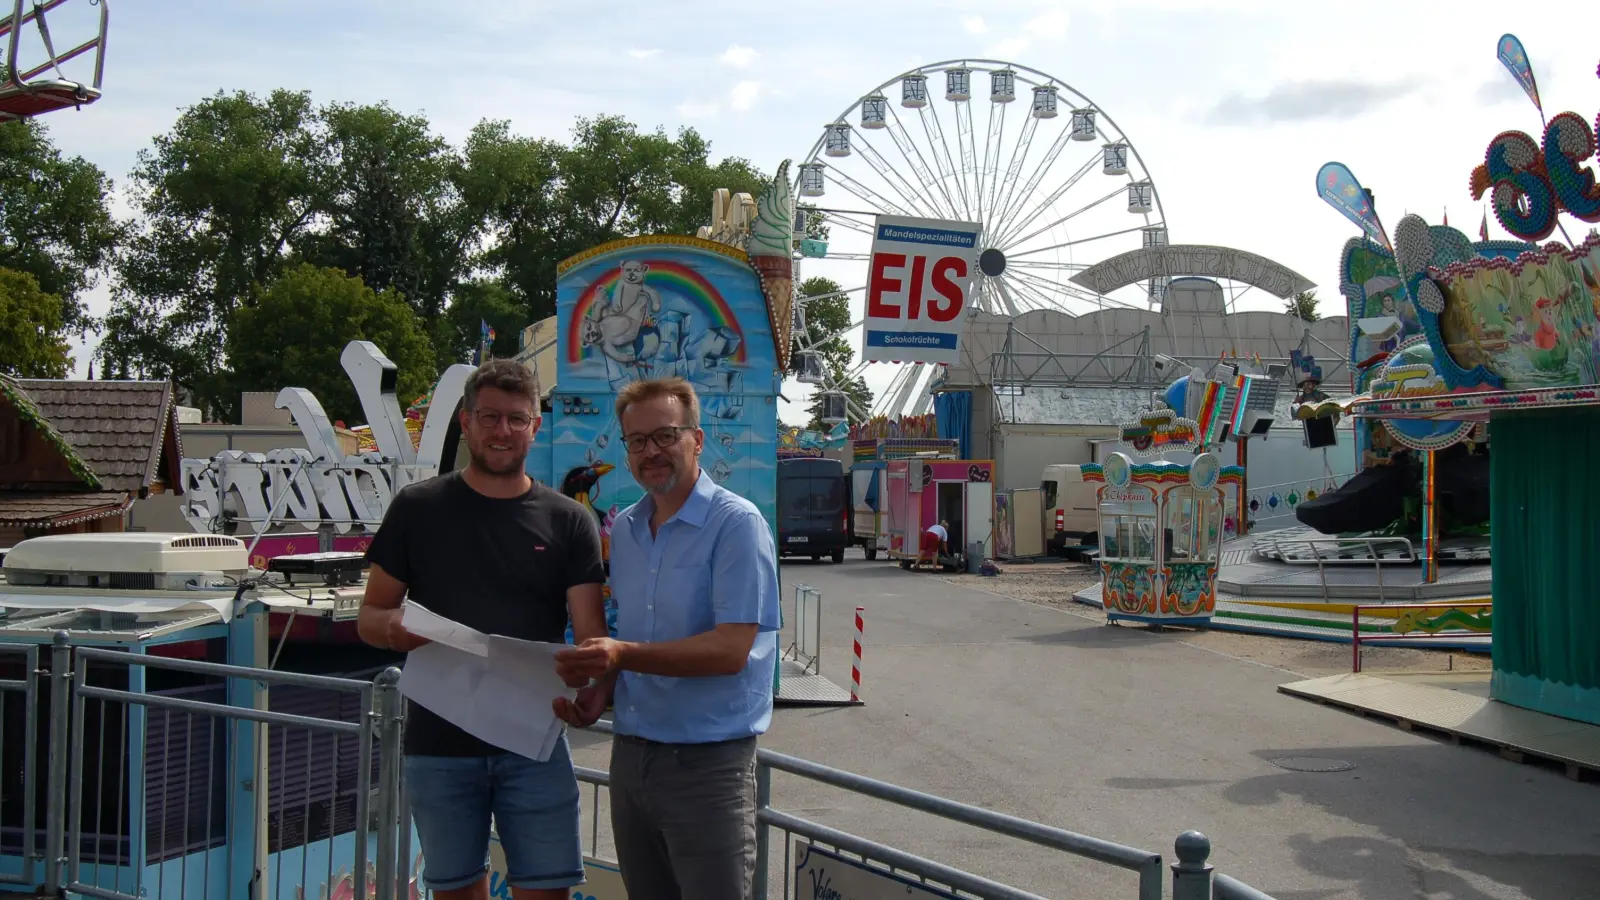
(116, 427)
(37, 510)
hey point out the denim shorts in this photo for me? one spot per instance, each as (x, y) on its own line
(536, 815)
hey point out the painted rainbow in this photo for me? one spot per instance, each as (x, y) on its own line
(680, 279)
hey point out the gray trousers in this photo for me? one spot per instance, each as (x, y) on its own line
(684, 818)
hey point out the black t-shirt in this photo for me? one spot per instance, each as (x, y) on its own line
(499, 566)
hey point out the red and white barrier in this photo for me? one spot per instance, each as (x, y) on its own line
(855, 668)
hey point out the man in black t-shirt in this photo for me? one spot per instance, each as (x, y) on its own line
(489, 548)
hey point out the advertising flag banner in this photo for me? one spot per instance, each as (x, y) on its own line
(919, 285)
(1515, 59)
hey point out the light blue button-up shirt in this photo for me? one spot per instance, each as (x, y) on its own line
(714, 561)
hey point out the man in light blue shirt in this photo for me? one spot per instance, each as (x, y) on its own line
(694, 573)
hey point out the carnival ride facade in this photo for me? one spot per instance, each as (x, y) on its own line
(1505, 339)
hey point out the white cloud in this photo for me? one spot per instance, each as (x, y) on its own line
(1049, 25)
(738, 56)
(744, 95)
(697, 109)
(974, 25)
(644, 54)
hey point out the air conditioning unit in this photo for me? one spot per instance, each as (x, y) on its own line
(135, 561)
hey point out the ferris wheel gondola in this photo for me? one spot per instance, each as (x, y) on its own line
(1040, 195)
(34, 83)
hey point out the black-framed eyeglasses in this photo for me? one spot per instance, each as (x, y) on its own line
(662, 437)
(491, 419)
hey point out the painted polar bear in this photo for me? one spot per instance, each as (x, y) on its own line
(620, 326)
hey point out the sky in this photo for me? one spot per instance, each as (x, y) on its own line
(1232, 105)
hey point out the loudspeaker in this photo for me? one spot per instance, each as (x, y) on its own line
(1320, 433)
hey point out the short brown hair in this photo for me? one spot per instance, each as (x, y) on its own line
(504, 375)
(656, 388)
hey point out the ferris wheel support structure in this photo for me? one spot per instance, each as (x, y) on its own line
(1041, 219)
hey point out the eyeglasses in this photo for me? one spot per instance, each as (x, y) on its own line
(663, 438)
(491, 419)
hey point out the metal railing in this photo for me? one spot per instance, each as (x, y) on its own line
(1410, 631)
(20, 838)
(806, 648)
(1373, 558)
(176, 778)
(1191, 875)
(1284, 509)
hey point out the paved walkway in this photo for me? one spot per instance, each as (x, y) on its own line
(1134, 737)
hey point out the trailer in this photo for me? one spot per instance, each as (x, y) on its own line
(868, 487)
(925, 492)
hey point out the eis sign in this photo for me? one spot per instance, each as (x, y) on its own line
(919, 281)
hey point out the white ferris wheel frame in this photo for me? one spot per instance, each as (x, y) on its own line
(944, 175)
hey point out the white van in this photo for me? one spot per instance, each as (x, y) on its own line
(1071, 513)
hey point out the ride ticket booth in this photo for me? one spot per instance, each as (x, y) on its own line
(1160, 537)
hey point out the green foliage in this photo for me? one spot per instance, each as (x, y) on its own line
(395, 210)
(1303, 305)
(31, 345)
(221, 199)
(246, 187)
(476, 302)
(294, 331)
(826, 319)
(550, 201)
(55, 218)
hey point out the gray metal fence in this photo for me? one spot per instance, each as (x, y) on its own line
(19, 785)
(177, 778)
(1192, 876)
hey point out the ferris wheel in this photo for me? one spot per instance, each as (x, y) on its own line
(1052, 180)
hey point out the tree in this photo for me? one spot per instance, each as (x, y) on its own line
(457, 334)
(222, 197)
(553, 200)
(826, 321)
(1304, 305)
(55, 218)
(31, 345)
(293, 332)
(394, 207)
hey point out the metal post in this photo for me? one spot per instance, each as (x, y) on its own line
(60, 686)
(388, 815)
(1355, 639)
(763, 833)
(1191, 874)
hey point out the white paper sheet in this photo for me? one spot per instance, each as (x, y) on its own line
(424, 623)
(503, 695)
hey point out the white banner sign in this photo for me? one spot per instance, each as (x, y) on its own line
(919, 282)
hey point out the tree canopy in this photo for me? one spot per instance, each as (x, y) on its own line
(31, 345)
(295, 330)
(267, 230)
(826, 320)
(55, 219)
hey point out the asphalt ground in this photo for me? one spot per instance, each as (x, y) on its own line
(1043, 712)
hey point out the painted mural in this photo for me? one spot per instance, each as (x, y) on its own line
(658, 307)
(1533, 322)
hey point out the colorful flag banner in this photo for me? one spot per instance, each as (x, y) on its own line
(1338, 186)
(1515, 59)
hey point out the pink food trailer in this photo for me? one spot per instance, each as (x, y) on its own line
(924, 492)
